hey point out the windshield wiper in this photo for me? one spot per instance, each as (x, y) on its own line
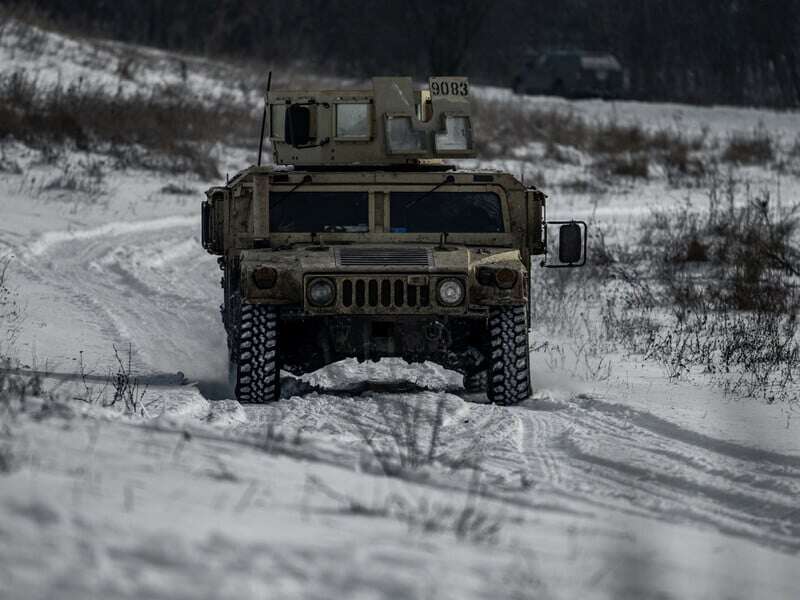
(305, 179)
(415, 201)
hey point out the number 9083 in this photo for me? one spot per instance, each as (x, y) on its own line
(449, 87)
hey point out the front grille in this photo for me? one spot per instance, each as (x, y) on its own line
(378, 257)
(382, 292)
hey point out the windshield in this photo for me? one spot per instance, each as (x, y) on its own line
(451, 212)
(332, 212)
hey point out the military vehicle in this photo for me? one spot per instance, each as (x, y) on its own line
(361, 242)
(572, 74)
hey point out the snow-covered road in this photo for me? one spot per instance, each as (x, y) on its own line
(572, 459)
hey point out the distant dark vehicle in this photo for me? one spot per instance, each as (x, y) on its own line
(573, 74)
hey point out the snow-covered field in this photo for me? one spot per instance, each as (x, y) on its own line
(626, 486)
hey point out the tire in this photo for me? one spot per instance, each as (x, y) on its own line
(509, 373)
(256, 370)
(475, 383)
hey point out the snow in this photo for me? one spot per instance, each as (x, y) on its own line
(134, 511)
(630, 486)
(715, 121)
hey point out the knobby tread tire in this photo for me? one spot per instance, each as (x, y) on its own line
(475, 382)
(257, 368)
(509, 359)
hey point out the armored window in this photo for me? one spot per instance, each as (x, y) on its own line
(277, 120)
(402, 138)
(353, 121)
(319, 212)
(451, 212)
(457, 135)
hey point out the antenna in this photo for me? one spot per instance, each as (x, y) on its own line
(264, 118)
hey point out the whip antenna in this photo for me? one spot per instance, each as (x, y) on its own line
(264, 118)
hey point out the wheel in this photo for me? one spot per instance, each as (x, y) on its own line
(509, 377)
(256, 370)
(475, 383)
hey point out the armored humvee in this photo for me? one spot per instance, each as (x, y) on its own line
(360, 242)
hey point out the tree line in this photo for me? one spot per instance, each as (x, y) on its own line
(707, 51)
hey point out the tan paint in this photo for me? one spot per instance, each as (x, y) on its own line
(389, 97)
(239, 211)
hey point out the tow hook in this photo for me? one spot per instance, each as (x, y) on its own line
(437, 333)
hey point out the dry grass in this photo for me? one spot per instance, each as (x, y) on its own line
(756, 148)
(165, 129)
(712, 290)
(402, 440)
(636, 166)
(617, 150)
(747, 252)
(10, 311)
(469, 521)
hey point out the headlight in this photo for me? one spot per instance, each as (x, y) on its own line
(265, 277)
(321, 292)
(505, 278)
(451, 292)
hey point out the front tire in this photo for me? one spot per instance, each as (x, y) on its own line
(475, 383)
(509, 358)
(256, 370)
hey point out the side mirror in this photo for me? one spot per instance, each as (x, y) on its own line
(570, 244)
(297, 125)
(572, 240)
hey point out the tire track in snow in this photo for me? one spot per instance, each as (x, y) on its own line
(541, 431)
(138, 282)
(633, 458)
(50, 239)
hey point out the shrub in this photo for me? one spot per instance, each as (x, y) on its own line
(179, 129)
(713, 290)
(748, 251)
(636, 166)
(178, 190)
(754, 149)
(626, 150)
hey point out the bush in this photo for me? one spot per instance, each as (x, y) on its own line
(714, 290)
(748, 254)
(636, 166)
(626, 150)
(754, 149)
(180, 130)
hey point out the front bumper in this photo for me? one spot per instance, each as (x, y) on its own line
(388, 290)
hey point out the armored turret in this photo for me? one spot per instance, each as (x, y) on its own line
(390, 123)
